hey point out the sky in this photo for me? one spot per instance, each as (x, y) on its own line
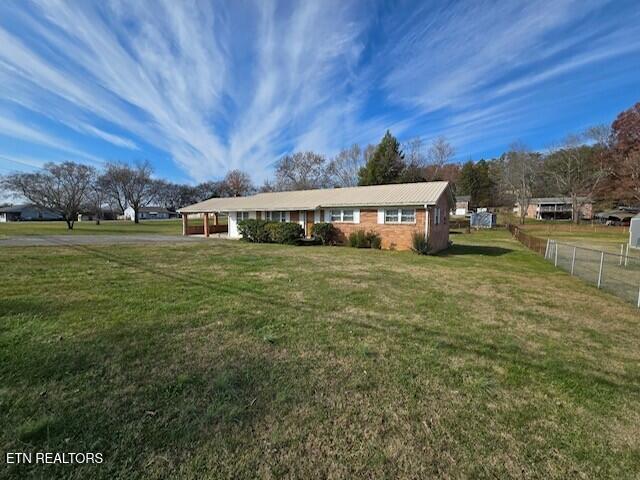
(201, 87)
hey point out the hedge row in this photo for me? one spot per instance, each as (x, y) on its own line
(263, 231)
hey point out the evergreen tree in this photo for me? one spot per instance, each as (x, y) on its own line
(475, 180)
(386, 165)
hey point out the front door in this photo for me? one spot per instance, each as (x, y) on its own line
(308, 224)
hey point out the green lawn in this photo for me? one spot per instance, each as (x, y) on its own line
(106, 227)
(223, 359)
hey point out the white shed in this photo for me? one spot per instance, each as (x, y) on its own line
(634, 232)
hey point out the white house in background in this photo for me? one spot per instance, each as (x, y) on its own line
(634, 232)
(462, 205)
(149, 213)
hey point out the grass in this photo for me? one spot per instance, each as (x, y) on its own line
(106, 227)
(231, 360)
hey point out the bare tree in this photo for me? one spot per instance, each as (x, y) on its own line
(301, 171)
(577, 170)
(63, 188)
(96, 199)
(113, 182)
(440, 153)
(237, 184)
(344, 167)
(138, 187)
(519, 170)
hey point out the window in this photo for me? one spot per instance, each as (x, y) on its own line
(242, 216)
(436, 216)
(276, 216)
(342, 215)
(391, 216)
(408, 215)
(400, 215)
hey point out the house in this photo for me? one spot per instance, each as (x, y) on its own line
(27, 212)
(149, 213)
(395, 211)
(462, 205)
(555, 208)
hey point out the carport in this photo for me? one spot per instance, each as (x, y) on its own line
(210, 224)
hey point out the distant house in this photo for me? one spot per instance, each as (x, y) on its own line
(395, 212)
(462, 205)
(27, 212)
(555, 208)
(634, 232)
(618, 216)
(149, 213)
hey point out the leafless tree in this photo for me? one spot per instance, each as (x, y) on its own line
(577, 171)
(301, 171)
(113, 182)
(139, 187)
(237, 184)
(63, 188)
(96, 200)
(344, 167)
(440, 153)
(519, 170)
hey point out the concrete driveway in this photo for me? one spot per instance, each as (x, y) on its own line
(57, 240)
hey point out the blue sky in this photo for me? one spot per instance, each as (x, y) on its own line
(199, 87)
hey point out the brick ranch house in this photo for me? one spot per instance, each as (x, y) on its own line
(395, 212)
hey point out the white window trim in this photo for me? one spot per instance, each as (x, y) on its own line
(284, 216)
(399, 222)
(355, 215)
(242, 214)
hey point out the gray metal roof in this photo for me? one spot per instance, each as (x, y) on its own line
(423, 193)
(556, 200)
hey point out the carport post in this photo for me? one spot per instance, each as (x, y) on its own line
(600, 272)
(573, 260)
(185, 223)
(206, 224)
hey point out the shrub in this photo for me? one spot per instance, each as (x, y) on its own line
(255, 231)
(362, 239)
(420, 244)
(287, 232)
(326, 232)
(374, 240)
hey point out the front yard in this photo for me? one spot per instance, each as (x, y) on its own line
(232, 360)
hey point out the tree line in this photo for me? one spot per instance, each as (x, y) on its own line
(602, 164)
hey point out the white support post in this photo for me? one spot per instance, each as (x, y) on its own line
(546, 252)
(555, 261)
(600, 272)
(573, 260)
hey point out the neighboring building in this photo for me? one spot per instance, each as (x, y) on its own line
(634, 232)
(619, 216)
(555, 208)
(395, 212)
(149, 213)
(462, 205)
(24, 213)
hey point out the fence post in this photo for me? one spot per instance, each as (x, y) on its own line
(555, 261)
(573, 260)
(626, 257)
(621, 253)
(600, 272)
(546, 252)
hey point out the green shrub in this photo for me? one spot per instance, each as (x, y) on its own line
(326, 232)
(374, 240)
(286, 232)
(362, 239)
(255, 231)
(420, 244)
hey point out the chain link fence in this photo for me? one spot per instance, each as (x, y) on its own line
(616, 273)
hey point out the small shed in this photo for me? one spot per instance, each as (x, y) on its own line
(483, 220)
(634, 232)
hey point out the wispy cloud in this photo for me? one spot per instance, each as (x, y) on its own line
(219, 85)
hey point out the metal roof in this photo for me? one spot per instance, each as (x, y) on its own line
(556, 200)
(423, 193)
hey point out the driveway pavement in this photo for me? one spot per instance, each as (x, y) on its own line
(54, 240)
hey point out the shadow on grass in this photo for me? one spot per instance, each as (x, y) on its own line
(484, 250)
